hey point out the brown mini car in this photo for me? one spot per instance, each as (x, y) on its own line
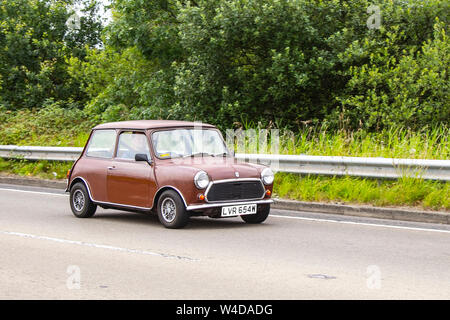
(176, 168)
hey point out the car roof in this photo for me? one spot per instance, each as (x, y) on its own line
(150, 124)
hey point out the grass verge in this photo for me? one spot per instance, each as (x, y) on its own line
(40, 169)
(410, 192)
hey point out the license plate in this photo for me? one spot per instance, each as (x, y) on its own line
(240, 210)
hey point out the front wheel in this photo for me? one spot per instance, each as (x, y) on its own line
(80, 203)
(258, 217)
(171, 211)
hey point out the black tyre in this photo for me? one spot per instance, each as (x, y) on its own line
(260, 216)
(171, 210)
(80, 203)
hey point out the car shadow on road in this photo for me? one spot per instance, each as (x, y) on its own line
(194, 223)
(227, 223)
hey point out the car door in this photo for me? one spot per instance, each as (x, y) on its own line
(130, 182)
(97, 158)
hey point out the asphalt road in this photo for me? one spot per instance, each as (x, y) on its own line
(47, 253)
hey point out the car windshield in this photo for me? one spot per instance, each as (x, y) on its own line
(188, 142)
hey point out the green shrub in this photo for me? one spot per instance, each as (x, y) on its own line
(50, 125)
(406, 87)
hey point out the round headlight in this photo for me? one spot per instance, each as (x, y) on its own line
(201, 180)
(267, 176)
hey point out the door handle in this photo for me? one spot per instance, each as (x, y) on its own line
(111, 168)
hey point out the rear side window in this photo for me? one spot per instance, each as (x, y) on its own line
(102, 144)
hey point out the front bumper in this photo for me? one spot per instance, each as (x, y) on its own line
(224, 204)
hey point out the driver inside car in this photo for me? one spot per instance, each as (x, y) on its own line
(132, 144)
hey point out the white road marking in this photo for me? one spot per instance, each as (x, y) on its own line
(94, 245)
(37, 192)
(278, 216)
(361, 223)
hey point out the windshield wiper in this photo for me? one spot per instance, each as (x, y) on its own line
(202, 154)
(223, 154)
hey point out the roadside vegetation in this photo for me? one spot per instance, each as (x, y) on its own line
(286, 63)
(57, 126)
(354, 190)
(54, 126)
(311, 67)
(48, 126)
(39, 169)
(424, 194)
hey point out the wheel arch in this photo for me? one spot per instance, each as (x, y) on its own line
(160, 192)
(83, 181)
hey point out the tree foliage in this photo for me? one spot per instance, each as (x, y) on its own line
(289, 62)
(35, 43)
(282, 62)
(407, 87)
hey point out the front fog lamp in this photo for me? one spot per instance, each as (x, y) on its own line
(201, 180)
(267, 176)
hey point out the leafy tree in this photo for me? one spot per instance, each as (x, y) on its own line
(406, 87)
(287, 62)
(149, 25)
(272, 62)
(220, 59)
(35, 43)
(114, 82)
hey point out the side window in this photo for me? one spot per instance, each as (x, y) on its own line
(131, 143)
(102, 144)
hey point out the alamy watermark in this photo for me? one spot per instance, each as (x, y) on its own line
(373, 280)
(74, 22)
(247, 145)
(73, 281)
(374, 20)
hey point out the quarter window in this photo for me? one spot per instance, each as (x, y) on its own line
(132, 143)
(102, 144)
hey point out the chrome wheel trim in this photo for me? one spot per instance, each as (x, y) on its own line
(78, 200)
(168, 210)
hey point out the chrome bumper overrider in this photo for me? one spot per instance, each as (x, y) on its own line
(224, 204)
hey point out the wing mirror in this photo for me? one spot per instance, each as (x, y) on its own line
(142, 157)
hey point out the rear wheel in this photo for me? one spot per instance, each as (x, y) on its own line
(171, 210)
(80, 203)
(260, 216)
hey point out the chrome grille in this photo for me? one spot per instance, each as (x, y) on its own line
(235, 190)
